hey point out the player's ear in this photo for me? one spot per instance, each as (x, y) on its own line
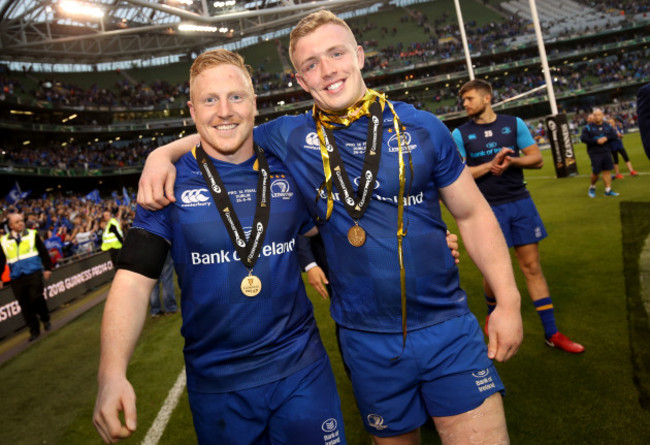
(302, 82)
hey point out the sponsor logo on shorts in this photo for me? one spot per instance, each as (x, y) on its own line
(481, 374)
(195, 198)
(333, 436)
(376, 421)
(538, 232)
(483, 380)
(329, 425)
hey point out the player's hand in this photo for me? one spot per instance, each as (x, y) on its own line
(505, 333)
(452, 243)
(47, 274)
(601, 140)
(317, 279)
(113, 396)
(501, 161)
(156, 185)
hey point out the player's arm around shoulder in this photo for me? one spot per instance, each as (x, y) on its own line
(486, 246)
(156, 185)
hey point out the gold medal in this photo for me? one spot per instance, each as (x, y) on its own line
(356, 236)
(251, 285)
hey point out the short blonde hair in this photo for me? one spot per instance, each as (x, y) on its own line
(309, 24)
(215, 57)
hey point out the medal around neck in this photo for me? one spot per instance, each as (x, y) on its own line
(356, 236)
(251, 286)
(248, 250)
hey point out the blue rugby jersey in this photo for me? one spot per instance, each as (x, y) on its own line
(232, 341)
(366, 280)
(480, 143)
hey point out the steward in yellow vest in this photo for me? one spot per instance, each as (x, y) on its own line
(24, 252)
(112, 236)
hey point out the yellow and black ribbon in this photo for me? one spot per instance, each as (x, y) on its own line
(338, 120)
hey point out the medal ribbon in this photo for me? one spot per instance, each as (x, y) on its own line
(248, 251)
(344, 119)
(356, 206)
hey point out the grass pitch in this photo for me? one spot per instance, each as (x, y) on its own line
(48, 391)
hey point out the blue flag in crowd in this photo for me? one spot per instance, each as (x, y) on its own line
(54, 242)
(94, 196)
(15, 194)
(127, 199)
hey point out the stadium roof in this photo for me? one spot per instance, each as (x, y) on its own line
(98, 31)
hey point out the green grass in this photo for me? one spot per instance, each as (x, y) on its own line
(48, 391)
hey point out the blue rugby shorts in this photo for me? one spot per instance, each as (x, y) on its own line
(601, 161)
(444, 370)
(520, 222)
(303, 408)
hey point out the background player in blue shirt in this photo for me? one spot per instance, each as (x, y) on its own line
(257, 372)
(442, 369)
(492, 145)
(598, 135)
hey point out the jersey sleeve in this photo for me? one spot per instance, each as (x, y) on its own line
(448, 164)
(155, 222)
(458, 139)
(524, 138)
(272, 137)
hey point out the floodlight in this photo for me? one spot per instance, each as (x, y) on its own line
(197, 28)
(75, 8)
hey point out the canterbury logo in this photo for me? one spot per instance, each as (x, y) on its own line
(194, 196)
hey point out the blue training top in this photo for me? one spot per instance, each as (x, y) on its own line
(592, 132)
(366, 280)
(480, 143)
(233, 341)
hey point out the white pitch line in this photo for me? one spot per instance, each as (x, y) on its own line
(162, 419)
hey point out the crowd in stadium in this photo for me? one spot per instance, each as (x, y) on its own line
(443, 43)
(99, 155)
(70, 225)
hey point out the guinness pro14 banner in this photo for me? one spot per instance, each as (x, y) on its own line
(559, 136)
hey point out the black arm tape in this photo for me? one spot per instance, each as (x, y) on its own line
(143, 253)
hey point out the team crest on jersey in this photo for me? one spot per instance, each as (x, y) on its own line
(487, 133)
(506, 130)
(280, 188)
(393, 145)
(195, 198)
(376, 421)
(311, 141)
